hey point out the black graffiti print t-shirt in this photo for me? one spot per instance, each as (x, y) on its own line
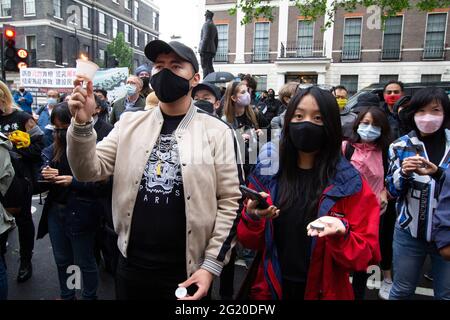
(158, 228)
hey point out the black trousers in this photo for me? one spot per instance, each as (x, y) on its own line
(293, 290)
(137, 283)
(25, 226)
(359, 284)
(387, 225)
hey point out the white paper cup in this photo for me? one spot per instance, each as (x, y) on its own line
(86, 69)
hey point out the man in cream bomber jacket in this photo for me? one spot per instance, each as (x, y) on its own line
(177, 170)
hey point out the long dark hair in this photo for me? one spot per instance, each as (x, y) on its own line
(62, 113)
(423, 97)
(379, 120)
(326, 159)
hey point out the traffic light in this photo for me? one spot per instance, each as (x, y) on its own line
(22, 58)
(10, 61)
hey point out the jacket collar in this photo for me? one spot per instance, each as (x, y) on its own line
(184, 124)
(346, 182)
(415, 139)
(48, 152)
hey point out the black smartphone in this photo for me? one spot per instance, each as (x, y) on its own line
(252, 194)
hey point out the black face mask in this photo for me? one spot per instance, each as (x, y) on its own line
(22, 90)
(271, 95)
(205, 106)
(168, 86)
(145, 81)
(307, 136)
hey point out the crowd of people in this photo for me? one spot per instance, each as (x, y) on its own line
(152, 185)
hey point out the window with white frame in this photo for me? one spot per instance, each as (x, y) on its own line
(136, 37)
(86, 17)
(392, 38)
(305, 38)
(385, 78)
(434, 38)
(57, 8)
(261, 82)
(430, 78)
(136, 11)
(222, 48)
(127, 4)
(155, 20)
(29, 8)
(101, 23)
(114, 28)
(101, 55)
(58, 51)
(31, 43)
(5, 8)
(145, 38)
(261, 41)
(126, 31)
(352, 39)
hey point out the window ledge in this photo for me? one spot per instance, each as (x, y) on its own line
(58, 18)
(6, 17)
(29, 15)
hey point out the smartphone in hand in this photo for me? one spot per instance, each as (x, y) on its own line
(252, 194)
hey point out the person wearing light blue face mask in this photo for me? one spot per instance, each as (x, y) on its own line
(44, 113)
(368, 132)
(367, 151)
(133, 100)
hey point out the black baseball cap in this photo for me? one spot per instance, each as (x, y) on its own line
(156, 47)
(209, 87)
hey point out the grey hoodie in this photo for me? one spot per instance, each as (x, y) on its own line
(6, 176)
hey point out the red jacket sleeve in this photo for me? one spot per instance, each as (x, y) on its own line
(250, 232)
(359, 247)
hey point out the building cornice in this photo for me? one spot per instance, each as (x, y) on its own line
(118, 16)
(63, 27)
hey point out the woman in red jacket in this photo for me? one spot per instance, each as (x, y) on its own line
(315, 186)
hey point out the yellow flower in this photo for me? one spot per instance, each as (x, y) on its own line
(20, 139)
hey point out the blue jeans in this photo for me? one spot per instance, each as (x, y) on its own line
(72, 249)
(408, 259)
(3, 279)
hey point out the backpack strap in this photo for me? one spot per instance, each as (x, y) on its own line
(39, 111)
(349, 150)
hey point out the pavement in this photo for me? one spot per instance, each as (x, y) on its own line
(44, 285)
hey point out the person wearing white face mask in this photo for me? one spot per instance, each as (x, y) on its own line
(417, 163)
(367, 151)
(239, 113)
(133, 101)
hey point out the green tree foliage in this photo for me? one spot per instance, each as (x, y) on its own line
(254, 9)
(121, 50)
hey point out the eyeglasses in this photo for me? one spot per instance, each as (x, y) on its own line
(392, 91)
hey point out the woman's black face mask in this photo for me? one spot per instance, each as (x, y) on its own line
(307, 136)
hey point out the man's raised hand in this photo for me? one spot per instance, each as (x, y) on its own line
(82, 102)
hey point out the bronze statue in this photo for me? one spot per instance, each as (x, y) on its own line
(208, 44)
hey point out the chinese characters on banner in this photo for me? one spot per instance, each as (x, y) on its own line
(47, 78)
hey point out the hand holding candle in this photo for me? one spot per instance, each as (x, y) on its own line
(82, 102)
(86, 69)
